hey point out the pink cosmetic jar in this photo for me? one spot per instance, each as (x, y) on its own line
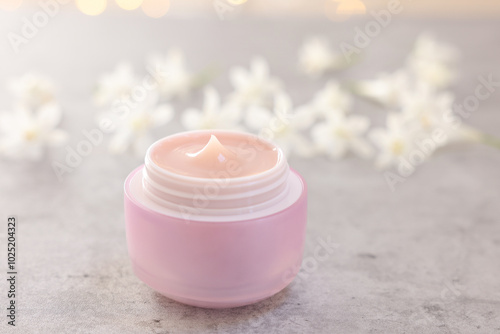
(215, 218)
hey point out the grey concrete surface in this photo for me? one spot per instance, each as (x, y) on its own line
(422, 259)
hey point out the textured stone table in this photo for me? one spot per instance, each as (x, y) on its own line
(422, 259)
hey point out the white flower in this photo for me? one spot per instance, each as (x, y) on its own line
(253, 87)
(394, 142)
(387, 89)
(430, 64)
(32, 90)
(26, 135)
(133, 129)
(332, 99)
(341, 133)
(213, 115)
(171, 73)
(283, 125)
(316, 57)
(426, 108)
(433, 62)
(115, 85)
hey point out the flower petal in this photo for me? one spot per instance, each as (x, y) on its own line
(49, 115)
(238, 77)
(211, 102)
(358, 124)
(57, 137)
(162, 115)
(361, 148)
(120, 142)
(303, 117)
(259, 67)
(258, 118)
(337, 150)
(302, 146)
(191, 119)
(141, 144)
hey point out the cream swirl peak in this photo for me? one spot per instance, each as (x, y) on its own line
(207, 154)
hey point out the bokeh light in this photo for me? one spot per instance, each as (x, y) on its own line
(129, 4)
(351, 7)
(236, 2)
(341, 10)
(91, 7)
(155, 8)
(10, 4)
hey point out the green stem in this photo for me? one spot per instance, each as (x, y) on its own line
(490, 140)
(204, 76)
(352, 87)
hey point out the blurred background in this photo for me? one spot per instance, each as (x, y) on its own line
(75, 43)
(399, 248)
(328, 8)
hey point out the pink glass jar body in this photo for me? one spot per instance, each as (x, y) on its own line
(215, 264)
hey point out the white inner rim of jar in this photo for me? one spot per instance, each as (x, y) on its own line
(216, 196)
